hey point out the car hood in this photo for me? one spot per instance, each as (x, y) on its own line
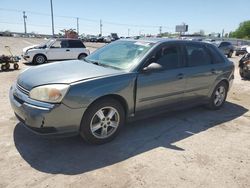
(65, 72)
(37, 46)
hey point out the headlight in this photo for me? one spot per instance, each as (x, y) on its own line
(26, 52)
(49, 93)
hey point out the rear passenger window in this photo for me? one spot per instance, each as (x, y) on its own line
(197, 55)
(217, 57)
(76, 44)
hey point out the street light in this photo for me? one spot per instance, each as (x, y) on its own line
(52, 17)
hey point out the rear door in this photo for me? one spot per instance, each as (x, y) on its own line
(76, 47)
(201, 72)
(162, 87)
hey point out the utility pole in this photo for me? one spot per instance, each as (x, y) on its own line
(52, 18)
(222, 34)
(160, 30)
(101, 27)
(24, 21)
(77, 25)
(128, 32)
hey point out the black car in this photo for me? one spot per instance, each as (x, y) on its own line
(226, 47)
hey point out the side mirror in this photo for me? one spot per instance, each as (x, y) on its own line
(152, 67)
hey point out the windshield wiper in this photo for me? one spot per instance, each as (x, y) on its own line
(100, 64)
(91, 61)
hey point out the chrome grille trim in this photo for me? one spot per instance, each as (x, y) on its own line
(23, 90)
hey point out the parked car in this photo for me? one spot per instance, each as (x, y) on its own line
(244, 65)
(241, 50)
(226, 47)
(114, 36)
(100, 39)
(107, 39)
(122, 80)
(92, 38)
(55, 49)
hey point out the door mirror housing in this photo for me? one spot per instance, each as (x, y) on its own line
(152, 67)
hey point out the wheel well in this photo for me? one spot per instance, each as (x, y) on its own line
(82, 54)
(226, 82)
(118, 98)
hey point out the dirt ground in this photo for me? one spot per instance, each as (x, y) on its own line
(189, 148)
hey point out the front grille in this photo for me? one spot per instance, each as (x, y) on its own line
(23, 90)
(18, 99)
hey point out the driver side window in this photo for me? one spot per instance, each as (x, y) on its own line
(60, 44)
(168, 57)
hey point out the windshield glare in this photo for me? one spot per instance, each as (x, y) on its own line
(120, 54)
(47, 43)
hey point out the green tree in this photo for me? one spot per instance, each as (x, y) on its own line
(243, 31)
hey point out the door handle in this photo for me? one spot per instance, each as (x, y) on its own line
(180, 76)
(67, 50)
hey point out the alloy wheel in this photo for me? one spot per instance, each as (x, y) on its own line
(220, 95)
(105, 122)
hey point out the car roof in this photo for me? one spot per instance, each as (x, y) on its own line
(163, 40)
(60, 39)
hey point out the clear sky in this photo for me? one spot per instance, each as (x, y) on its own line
(139, 16)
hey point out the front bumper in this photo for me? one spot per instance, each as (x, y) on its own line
(27, 58)
(240, 52)
(45, 118)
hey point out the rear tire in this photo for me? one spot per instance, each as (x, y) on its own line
(218, 96)
(39, 59)
(16, 66)
(102, 121)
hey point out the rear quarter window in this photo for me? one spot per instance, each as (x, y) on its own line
(76, 44)
(216, 55)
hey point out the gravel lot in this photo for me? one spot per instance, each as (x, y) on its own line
(189, 148)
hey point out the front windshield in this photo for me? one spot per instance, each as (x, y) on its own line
(120, 54)
(47, 43)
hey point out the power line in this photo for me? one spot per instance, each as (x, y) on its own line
(88, 19)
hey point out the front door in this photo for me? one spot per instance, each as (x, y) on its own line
(58, 51)
(165, 86)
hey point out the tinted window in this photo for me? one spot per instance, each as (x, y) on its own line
(217, 57)
(76, 44)
(197, 55)
(168, 57)
(225, 44)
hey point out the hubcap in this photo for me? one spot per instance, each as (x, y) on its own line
(40, 59)
(105, 122)
(219, 96)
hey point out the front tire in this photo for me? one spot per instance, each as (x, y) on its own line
(39, 59)
(3, 67)
(82, 56)
(218, 97)
(102, 121)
